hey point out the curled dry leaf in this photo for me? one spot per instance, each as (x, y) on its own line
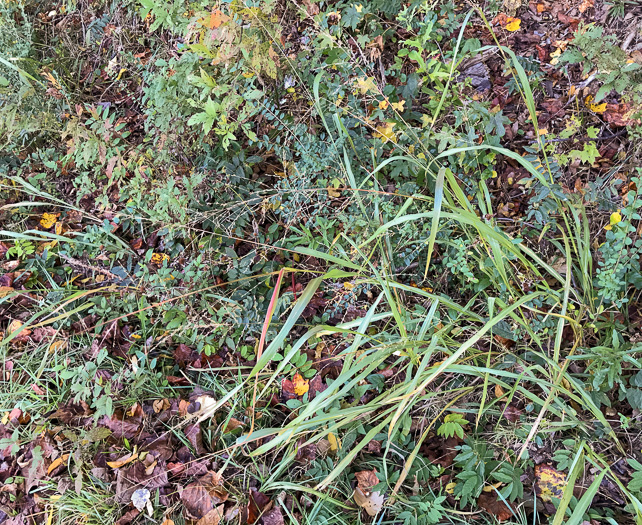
(121, 462)
(56, 463)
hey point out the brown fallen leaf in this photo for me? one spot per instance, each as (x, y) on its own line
(371, 501)
(213, 517)
(287, 390)
(366, 479)
(512, 413)
(232, 425)
(195, 436)
(16, 327)
(127, 429)
(128, 517)
(202, 496)
(491, 504)
(274, 516)
(259, 504)
(160, 405)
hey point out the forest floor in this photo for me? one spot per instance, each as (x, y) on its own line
(286, 262)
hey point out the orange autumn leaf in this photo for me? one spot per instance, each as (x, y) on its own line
(121, 462)
(586, 4)
(56, 463)
(301, 385)
(217, 18)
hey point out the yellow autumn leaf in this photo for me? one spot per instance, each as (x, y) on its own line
(159, 258)
(384, 104)
(5, 290)
(48, 220)
(348, 286)
(58, 345)
(365, 85)
(513, 23)
(450, 487)
(615, 218)
(398, 106)
(301, 385)
(335, 443)
(385, 132)
(333, 192)
(595, 108)
(550, 482)
(52, 79)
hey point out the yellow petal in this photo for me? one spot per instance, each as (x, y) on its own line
(615, 218)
